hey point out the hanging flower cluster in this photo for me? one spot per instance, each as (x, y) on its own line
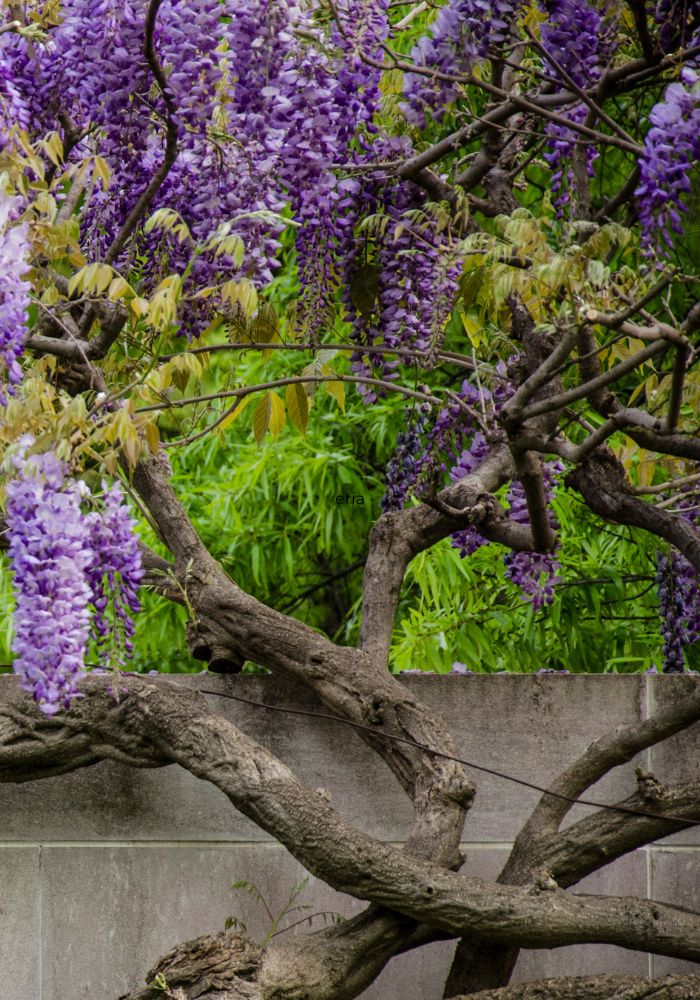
(671, 150)
(64, 561)
(463, 33)
(572, 34)
(679, 607)
(14, 294)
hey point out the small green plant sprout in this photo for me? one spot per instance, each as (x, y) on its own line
(160, 983)
(291, 906)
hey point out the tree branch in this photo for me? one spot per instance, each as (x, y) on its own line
(597, 988)
(178, 726)
(600, 479)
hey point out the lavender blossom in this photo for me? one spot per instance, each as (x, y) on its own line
(63, 560)
(678, 22)
(468, 540)
(535, 573)
(404, 468)
(14, 294)
(417, 283)
(679, 607)
(671, 149)
(49, 553)
(572, 34)
(115, 571)
(461, 35)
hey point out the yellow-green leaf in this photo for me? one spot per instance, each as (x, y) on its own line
(337, 391)
(277, 414)
(53, 147)
(152, 438)
(261, 418)
(298, 406)
(118, 288)
(235, 413)
(102, 172)
(138, 306)
(241, 293)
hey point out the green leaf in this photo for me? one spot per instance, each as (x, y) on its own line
(261, 418)
(277, 414)
(364, 289)
(297, 406)
(235, 413)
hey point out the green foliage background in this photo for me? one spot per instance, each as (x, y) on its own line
(271, 514)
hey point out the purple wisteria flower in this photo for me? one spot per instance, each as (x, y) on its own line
(416, 268)
(115, 571)
(404, 467)
(468, 540)
(572, 34)
(678, 22)
(461, 34)
(64, 560)
(671, 150)
(679, 607)
(14, 294)
(678, 586)
(50, 554)
(535, 573)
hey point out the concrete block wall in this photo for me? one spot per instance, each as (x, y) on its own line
(103, 870)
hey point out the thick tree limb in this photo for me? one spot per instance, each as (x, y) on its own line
(600, 479)
(653, 438)
(611, 750)
(231, 623)
(597, 840)
(224, 964)
(180, 727)
(597, 988)
(587, 845)
(397, 537)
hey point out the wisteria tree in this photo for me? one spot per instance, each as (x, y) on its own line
(482, 210)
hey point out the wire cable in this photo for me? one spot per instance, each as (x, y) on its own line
(627, 810)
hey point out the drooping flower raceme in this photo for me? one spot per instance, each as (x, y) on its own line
(115, 571)
(679, 607)
(572, 34)
(461, 34)
(535, 573)
(404, 467)
(14, 295)
(678, 586)
(671, 149)
(64, 560)
(50, 554)
(678, 23)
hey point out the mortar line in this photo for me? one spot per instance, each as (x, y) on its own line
(650, 895)
(41, 927)
(212, 844)
(648, 699)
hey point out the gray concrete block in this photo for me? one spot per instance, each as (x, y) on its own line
(526, 726)
(531, 727)
(148, 856)
(675, 878)
(109, 913)
(678, 758)
(20, 923)
(625, 877)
